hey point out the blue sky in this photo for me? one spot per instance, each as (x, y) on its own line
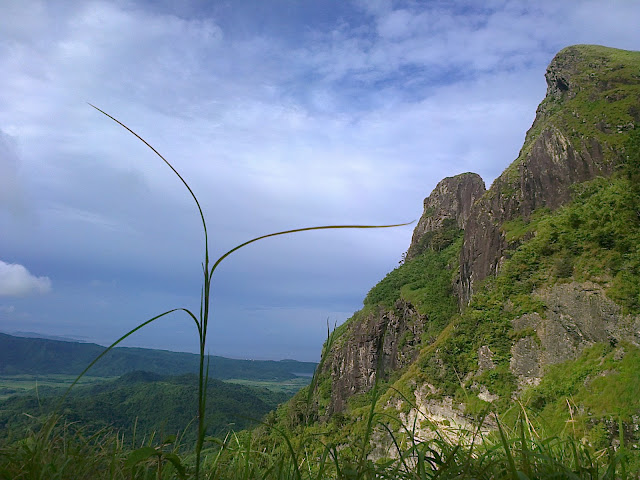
(280, 114)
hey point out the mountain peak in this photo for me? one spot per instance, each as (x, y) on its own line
(591, 67)
(451, 201)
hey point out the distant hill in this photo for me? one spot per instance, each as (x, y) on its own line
(19, 355)
(19, 333)
(146, 402)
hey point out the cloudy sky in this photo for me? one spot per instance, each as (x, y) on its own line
(280, 114)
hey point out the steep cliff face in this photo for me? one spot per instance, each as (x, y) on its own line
(566, 281)
(385, 337)
(381, 341)
(591, 97)
(576, 316)
(452, 199)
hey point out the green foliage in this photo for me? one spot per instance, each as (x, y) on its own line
(596, 237)
(603, 380)
(593, 397)
(148, 402)
(437, 239)
(602, 109)
(424, 281)
(59, 450)
(632, 160)
(519, 229)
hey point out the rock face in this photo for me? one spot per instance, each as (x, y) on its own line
(381, 341)
(452, 199)
(576, 316)
(385, 340)
(543, 179)
(555, 156)
(567, 144)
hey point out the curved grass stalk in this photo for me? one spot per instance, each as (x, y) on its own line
(202, 321)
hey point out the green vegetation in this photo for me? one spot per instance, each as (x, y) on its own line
(603, 381)
(602, 109)
(146, 402)
(69, 452)
(24, 384)
(595, 238)
(587, 401)
(288, 387)
(201, 322)
(425, 281)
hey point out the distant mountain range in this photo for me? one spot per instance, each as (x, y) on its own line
(23, 355)
(42, 335)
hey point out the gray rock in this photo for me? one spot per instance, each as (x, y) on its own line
(452, 199)
(576, 316)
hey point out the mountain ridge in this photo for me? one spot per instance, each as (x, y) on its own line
(501, 288)
(20, 355)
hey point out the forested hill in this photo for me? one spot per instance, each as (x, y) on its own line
(143, 402)
(19, 355)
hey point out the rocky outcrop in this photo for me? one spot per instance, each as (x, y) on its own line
(542, 179)
(452, 200)
(384, 340)
(576, 316)
(380, 341)
(571, 141)
(555, 156)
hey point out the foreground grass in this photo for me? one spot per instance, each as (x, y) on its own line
(52, 449)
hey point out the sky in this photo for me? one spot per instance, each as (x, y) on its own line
(279, 114)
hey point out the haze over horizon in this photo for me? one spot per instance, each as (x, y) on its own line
(280, 115)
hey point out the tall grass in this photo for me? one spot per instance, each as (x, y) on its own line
(67, 452)
(201, 320)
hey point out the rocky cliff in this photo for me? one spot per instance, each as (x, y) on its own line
(576, 316)
(451, 200)
(381, 341)
(386, 338)
(501, 285)
(591, 98)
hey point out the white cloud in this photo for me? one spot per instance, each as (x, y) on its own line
(16, 281)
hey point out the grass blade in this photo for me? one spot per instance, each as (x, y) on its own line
(296, 230)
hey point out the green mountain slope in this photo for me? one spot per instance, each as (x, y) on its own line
(145, 403)
(545, 277)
